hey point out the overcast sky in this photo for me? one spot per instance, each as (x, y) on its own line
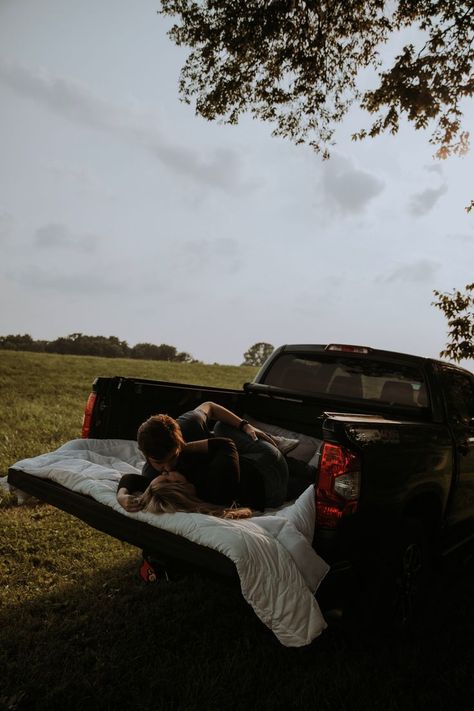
(123, 214)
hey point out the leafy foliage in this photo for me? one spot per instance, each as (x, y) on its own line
(258, 354)
(80, 344)
(106, 347)
(148, 351)
(21, 342)
(458, 307)
(297, 64)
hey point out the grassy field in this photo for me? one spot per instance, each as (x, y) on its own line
(79, 630)
(43, 395)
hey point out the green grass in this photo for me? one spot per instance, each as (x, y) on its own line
(79, 630)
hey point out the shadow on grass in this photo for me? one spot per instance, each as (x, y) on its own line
(117, 643)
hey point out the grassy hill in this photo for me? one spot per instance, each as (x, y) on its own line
(79, 630)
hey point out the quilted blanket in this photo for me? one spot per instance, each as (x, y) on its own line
(278, 568)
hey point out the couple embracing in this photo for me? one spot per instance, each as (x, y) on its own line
(233, 471)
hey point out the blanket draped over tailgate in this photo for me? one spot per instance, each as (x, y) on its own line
(278, 568)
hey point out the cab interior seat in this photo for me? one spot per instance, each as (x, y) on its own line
(398, 393)
(347, 386)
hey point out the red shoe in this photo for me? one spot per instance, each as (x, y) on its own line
(152, 573)
(147, 572)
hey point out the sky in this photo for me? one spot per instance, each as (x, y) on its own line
(124, 214)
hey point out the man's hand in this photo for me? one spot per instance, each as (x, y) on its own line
(130, 502)
(221, 414)
(255, 434)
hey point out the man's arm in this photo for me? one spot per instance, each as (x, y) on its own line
(199, 447)
(223, 474)
(222, 414)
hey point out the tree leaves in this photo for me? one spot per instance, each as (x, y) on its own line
(296, 64)
(292, 64)
(258, 354)
(107, 347)
(458, 307)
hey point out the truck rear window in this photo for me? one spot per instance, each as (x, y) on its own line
(350, 377)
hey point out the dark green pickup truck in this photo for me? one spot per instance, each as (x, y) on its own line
(392, 439)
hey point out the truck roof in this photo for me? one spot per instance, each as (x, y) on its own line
(390, 355)
(324, 347)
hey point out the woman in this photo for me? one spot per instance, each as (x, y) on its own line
(172, 493)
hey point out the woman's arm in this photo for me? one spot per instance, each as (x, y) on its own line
(129, 489)
(222, 414)
(130, 502)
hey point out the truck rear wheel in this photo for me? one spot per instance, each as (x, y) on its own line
(407, 575)
(393, 580)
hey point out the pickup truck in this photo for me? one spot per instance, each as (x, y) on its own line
(394, 450)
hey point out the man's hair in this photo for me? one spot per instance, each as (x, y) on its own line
(158, 436)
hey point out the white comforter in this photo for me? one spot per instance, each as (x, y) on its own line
(278, 568)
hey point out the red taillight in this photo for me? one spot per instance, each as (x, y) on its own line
(337, 492)
(86, 420)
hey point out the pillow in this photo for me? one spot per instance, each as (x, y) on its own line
(307, 446)
(284, 444)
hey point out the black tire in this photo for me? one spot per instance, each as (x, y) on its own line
(392, 581)
(407, 576)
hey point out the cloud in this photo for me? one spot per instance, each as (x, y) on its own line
(84, 180)
(424, 270)
(223, 254)
(422, 203)
(462, 237)
(347, 188)
(308, 304)
(76, 102)
(435, 168)
(56, 236)
(6, 225)
(222, 170)
(65, 282)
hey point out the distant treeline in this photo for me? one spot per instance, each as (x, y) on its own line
(107, 347)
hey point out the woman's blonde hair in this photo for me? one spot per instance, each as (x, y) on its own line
(174, 496)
